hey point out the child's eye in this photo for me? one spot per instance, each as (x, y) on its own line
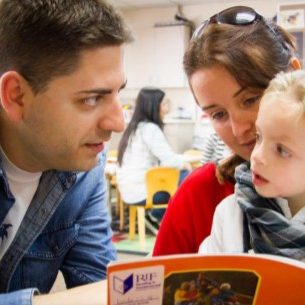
(258, 137)
(282, 151)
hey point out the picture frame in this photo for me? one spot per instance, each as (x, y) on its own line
(291, 19)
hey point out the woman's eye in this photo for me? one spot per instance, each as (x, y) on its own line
(252, 100)
(217, 116)
(282, 151)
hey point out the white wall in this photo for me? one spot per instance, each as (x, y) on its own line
(197, 13)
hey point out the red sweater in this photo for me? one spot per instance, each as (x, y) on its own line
(188, 218)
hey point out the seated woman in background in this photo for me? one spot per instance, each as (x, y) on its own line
(143, 146)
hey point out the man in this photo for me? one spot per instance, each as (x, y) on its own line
(61, 69)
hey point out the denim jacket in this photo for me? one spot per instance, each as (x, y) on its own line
(66, 227)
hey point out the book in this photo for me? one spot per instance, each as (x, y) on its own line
(193, 279)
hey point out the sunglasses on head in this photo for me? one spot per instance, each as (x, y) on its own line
(237, 15)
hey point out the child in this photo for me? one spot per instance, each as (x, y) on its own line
(192, 293)
(225, 296)
(180, 296)
(266, 214)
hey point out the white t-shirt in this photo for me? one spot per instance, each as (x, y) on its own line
(23, 186)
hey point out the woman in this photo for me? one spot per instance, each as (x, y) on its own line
(230, 61)
(143, 146)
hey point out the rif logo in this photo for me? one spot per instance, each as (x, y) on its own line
(122, 286)
(146, 278)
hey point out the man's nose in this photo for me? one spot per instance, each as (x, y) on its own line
(113, 119)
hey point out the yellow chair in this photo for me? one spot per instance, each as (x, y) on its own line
(157, 179)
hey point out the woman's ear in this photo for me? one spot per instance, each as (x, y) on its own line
(11, 94)
(295, 63)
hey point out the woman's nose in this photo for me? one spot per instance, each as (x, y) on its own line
(241, 125)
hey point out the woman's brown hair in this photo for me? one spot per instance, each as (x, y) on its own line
(253, 54)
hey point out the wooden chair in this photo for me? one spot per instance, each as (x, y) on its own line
(157, 179)
(194, 157)
(110, 171)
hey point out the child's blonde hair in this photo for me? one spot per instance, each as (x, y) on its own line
(288, 87)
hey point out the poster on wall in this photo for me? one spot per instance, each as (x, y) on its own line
(291, 19)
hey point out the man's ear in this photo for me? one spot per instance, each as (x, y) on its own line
(12, 86)
(295, 63)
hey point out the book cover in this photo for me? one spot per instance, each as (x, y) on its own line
(194, 279)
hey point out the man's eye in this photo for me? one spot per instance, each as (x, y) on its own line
(282, 151)
(91, 101)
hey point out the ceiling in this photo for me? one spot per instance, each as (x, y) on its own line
(131, 4)
(135, 4)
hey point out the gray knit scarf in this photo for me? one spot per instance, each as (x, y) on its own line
(266, 229)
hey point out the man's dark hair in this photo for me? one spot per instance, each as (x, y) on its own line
(42, 39)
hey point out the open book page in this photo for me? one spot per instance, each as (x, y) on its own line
(194, 279)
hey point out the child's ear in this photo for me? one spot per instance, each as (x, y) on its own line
(12, 86)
